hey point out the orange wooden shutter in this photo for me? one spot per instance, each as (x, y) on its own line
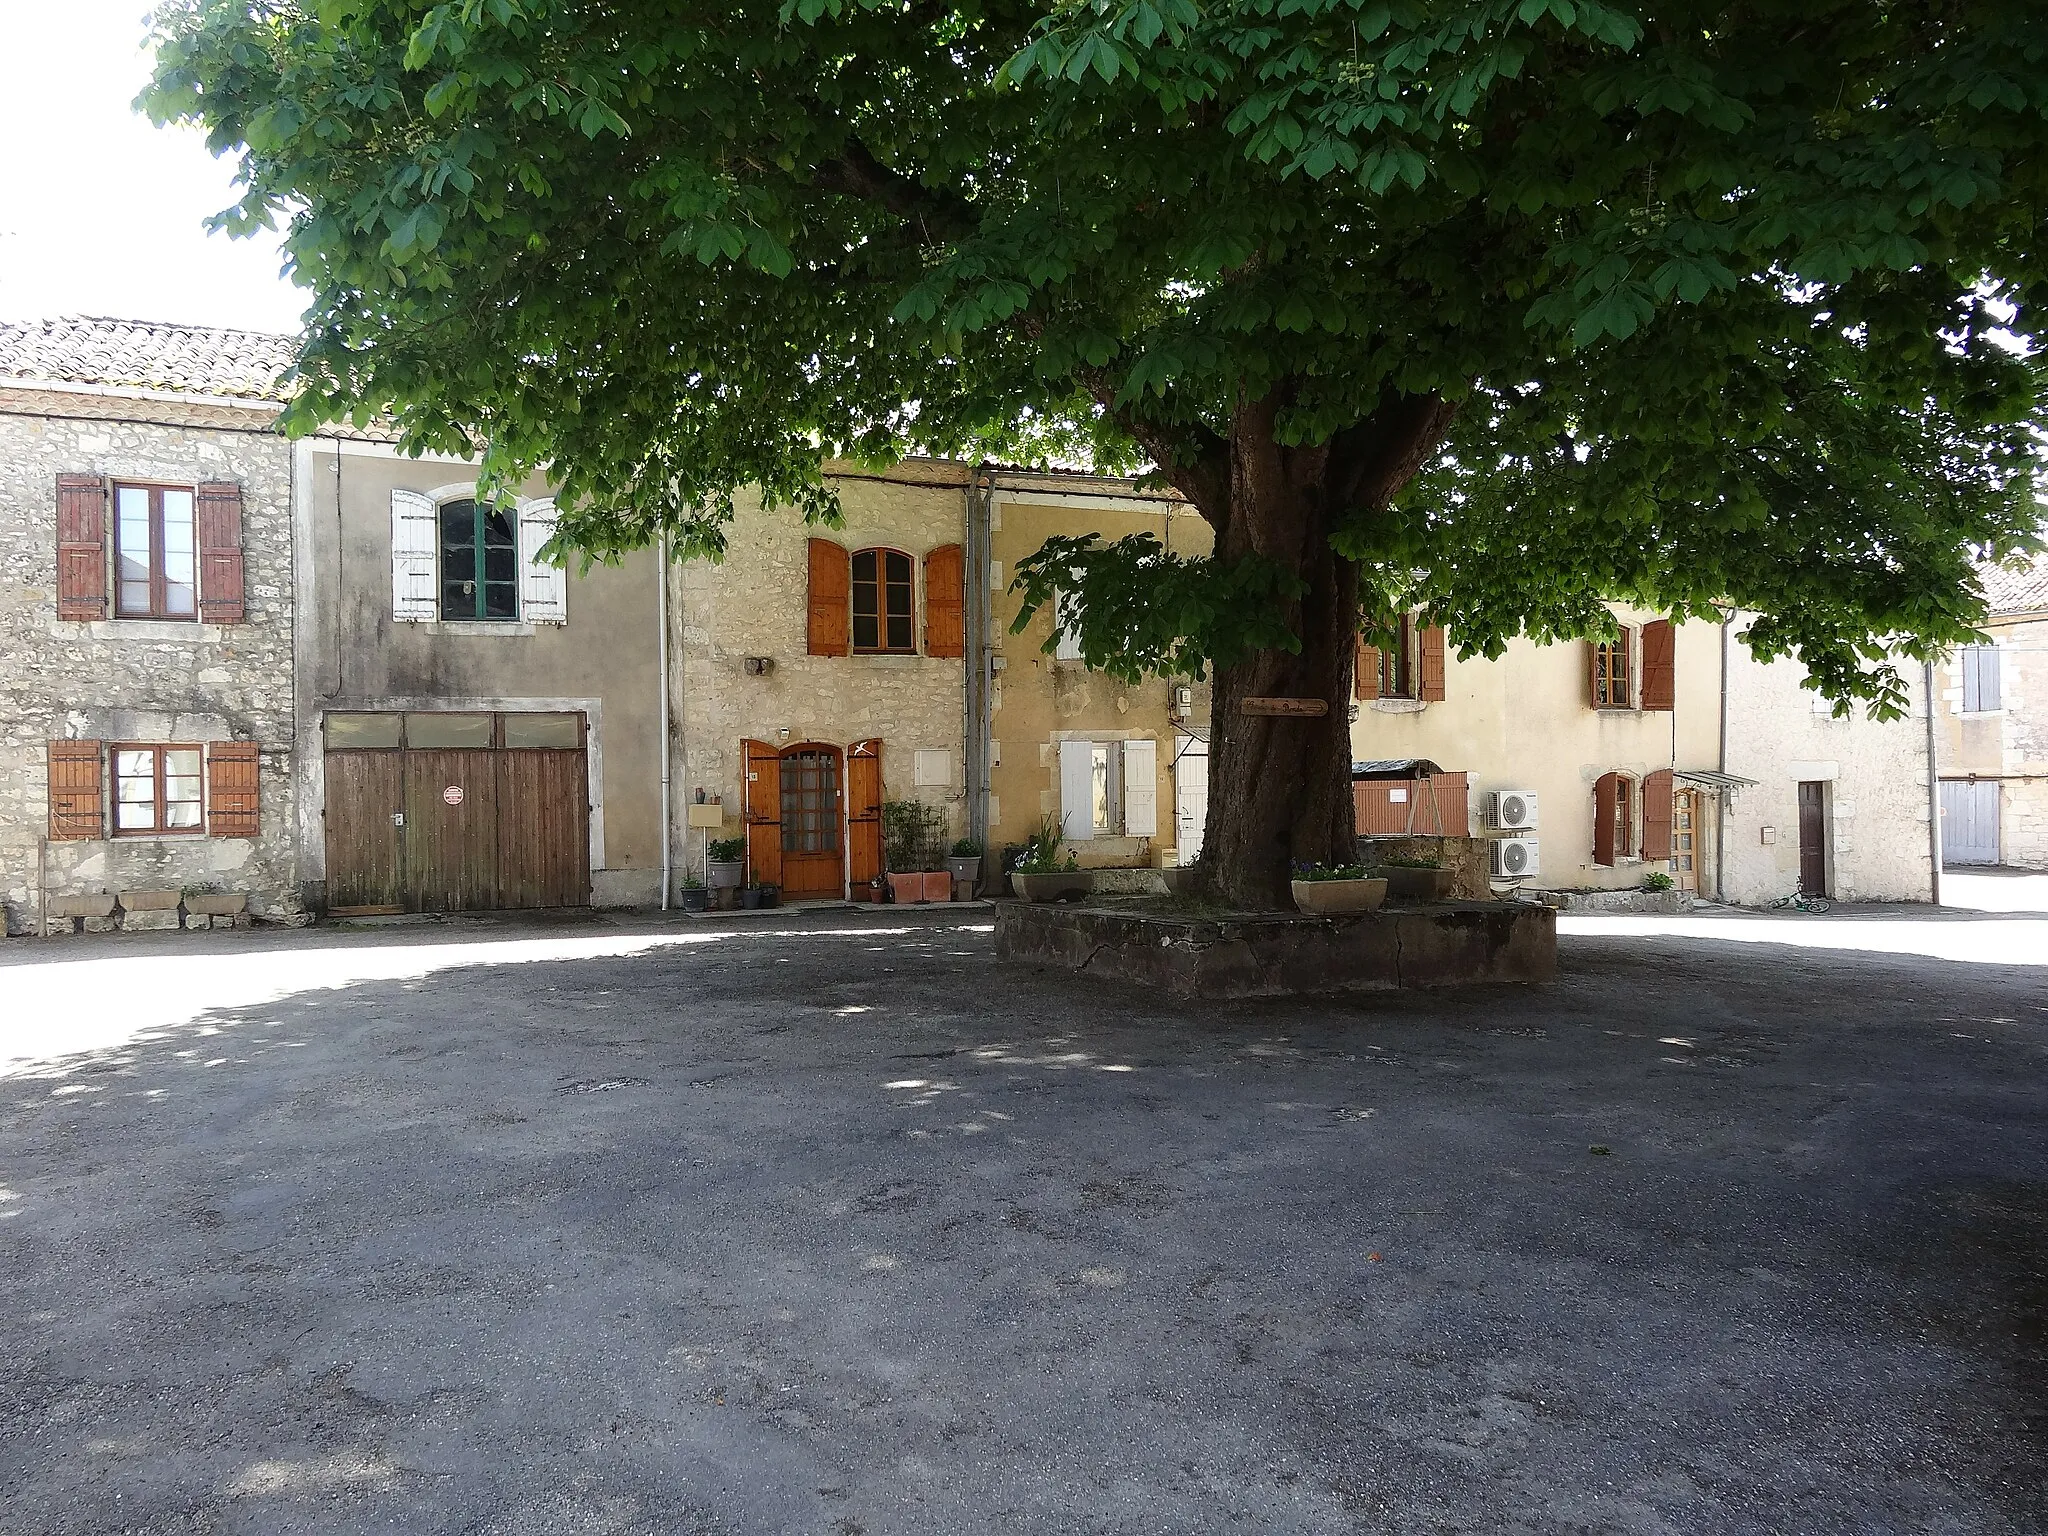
(217, 518)
(863, 814)
(1365, 670)
(81, 548)
(763, 813)
(233, 789)
(1606, 797)
(1657, 796)
(1660, 666)
(76, 800)
(829, 627)
(1431, 688)
(945, 621)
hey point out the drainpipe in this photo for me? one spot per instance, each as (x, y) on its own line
(1933, 790)
(978, 605)
(1721, 761)
(667, 749)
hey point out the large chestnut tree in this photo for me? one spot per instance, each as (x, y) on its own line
(1491, 308)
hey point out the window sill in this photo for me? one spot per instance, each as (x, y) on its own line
(1399, 706)
(492, 627)
(157, 629)
(891, 658)
(1981, 714)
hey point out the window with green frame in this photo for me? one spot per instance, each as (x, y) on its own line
(479, 561)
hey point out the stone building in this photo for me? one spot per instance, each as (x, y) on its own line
(1835, 806)
(146, 729)
(1993, 714)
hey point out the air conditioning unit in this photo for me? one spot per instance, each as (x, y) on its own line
(1511, 810)
(1515, 858)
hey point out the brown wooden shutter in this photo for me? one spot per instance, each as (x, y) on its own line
(1660, 666)
(81, 548)
(76, 799)
(1431, 685)
(1606, 796)
(829, 627)
(217, 519)
(945, 619)
(1365, 670)
(1657, 798)
(763, 813)
(233, 789)
(863, 815)
(1593, 674)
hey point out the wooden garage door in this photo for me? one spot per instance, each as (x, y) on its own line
(456, 812)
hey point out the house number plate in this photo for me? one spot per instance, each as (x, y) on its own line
(452, 795)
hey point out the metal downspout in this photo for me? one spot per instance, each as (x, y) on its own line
(1933, 790)
(1721, 762)
(667, 747)
(978, 602)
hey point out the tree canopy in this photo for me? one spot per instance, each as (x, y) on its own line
(1668, 301)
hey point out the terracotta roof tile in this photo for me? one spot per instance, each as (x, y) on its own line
(2023, 589)
(146, 354)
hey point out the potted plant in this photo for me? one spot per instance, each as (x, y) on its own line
(1042, 875)
(1415, 877)
(725, 863)
(757, 895)
(965, 863)
(913, 849)
(1331, 890)
(693, 897)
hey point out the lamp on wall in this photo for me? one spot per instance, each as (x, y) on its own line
(759, 666)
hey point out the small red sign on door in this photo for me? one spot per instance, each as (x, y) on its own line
(452, 795)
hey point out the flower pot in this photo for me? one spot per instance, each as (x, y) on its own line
(693, 898)
(1060, 885)
(967, 869)
(1332, 898)
(725, 876)
(750, 898)
(1418, 884)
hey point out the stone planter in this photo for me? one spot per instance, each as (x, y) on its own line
(1418, 884)
(920, 885)
(968, 870)
(1335, 898)
(1060, 885)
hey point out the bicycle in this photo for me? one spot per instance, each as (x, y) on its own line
(1799, 901)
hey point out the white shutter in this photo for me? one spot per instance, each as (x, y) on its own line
(415, 535)
(543, 589)
(1068, 646)
(1141, 789)
(1077, 790)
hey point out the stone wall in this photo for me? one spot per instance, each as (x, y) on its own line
(141, 681)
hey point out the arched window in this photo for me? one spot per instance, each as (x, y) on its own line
(884, 596)
(479, 561)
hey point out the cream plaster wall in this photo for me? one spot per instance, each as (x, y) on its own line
(1876, 801)
(1040, 701)
(1524, 721)
(754, 603)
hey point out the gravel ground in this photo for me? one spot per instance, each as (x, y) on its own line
(830, 1224)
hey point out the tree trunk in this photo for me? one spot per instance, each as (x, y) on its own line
(1280, 785)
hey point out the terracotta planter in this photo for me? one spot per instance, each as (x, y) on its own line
(1334, 898)
(920, 885)
(1061, 885)
(1418, 884)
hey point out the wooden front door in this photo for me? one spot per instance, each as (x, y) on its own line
(1685, 839)
(451, 830)
(763, 812)
(813, 859)
(863, 817)
(365, 831)
(1813, 845)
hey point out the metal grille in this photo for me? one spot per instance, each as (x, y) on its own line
(810, 802)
